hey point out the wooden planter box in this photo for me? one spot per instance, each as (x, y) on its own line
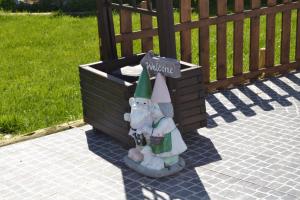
(105, 97)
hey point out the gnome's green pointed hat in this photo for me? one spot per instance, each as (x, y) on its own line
(143, 88)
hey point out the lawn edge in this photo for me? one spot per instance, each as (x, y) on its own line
(43, 132)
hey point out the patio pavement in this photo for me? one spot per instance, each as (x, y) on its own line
(250, 150)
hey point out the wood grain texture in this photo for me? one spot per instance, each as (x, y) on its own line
(126, 27)
(212, 21)
(221, 42)
(285, 36)
(107, 41)
(146, 24)
(238, 40)
(270, 36)
(254, 38)
(203, 6)
(185, 36)
(297, 54)
(250, 75)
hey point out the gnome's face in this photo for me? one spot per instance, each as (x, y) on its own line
(140, 112)
(156, 112)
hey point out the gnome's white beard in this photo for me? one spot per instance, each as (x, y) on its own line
(139, 117)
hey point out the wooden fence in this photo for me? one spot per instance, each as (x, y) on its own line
(238, 16)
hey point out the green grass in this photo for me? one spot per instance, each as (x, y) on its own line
(39, 58)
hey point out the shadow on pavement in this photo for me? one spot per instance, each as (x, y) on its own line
(244, 98)
(186, 184)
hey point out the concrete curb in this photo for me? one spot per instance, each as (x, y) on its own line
(42, 132)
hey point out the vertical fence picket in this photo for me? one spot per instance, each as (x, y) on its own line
(270, 36)
(238, 39)
(254, 37)
(185, 36)
(221, 41)
(146, 24)
(285, 35)
(203, 6)
(297, 54)
(125, 28)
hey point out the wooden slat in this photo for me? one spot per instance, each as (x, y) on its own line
(190, 89)
(126, 27)
(194, 126)
(192, 104)
(185, 36)
(221, 42)
(285, 36)
(203, 6)
(270, 36)
(238, 40)
(193, 119)
(254, 37)
(186, 82)
(297, 54)
(108, 49)
(146, 24)
(212, 21)
(250, 75)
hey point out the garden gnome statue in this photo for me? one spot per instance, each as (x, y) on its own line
(165, 139)
(151, 122)
(140, 115)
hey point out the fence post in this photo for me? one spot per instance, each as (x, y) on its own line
(297, 54)
(221, 42)
(166, 32)
(146, 24)
(203, 6)
(270, 36)
(185, 36)
(108, 50)
(254, 37)
(126, 27)
(285, 36)
(238, 40)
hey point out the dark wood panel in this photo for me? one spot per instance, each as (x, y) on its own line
(192, 119)
(193, 104)
(194, 126)
(122, 137)
(97, 97)
(189, 73)
(119, 86)
(104, 107)
(191, 89)
(118, 124)
(189, 97)
(191, 112)
(102, 83)
(108, 94)
(187, 82)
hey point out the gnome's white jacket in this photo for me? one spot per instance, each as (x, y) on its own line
(167, 125)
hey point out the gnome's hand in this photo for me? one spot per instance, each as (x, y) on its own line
(127, 117)
(147, 130)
